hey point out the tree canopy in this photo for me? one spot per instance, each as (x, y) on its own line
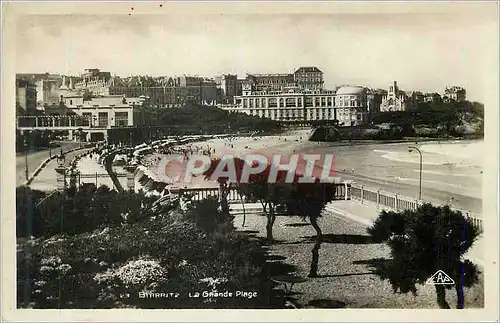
(424, 241)
(213, 120)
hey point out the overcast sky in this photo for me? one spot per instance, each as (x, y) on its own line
(422, 52)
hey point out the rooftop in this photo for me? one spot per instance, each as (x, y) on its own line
(308, 69)
(351, 90)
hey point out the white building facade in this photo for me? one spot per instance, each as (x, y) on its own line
(348, 105)
(395, 100)
(351, 103)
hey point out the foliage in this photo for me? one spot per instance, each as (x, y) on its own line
(168, 252)
(334, 133)
(35, 139)
(207, 119)
(303, 199)
(424, 241)
(444, 115)
(197, 213)
(77, 210)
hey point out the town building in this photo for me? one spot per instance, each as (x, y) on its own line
(104, 114)
(47, 87)
(228, 87)
(93, 80)
(25, 97)
(395, 100)
(351, 103)
(159, 91)
(414, 98)
(433, 98)
(285, 106)
(374, 99)
(48, 92)
(208, 92)
(308, 78)
(454, 93)
(269, 82)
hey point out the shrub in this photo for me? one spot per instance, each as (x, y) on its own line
(77, 210)
(424, 241)
(178, 252)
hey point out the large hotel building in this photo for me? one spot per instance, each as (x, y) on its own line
(349, 105)
(301, 97)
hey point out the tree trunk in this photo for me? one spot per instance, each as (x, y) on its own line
(441, 297)
(315, 250)
(243, 206)
(460, 293)
(224, 192)
(271, 217)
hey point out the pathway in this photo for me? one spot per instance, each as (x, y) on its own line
(345, 276)
(46, 180)
(366, 214)
(35, 158)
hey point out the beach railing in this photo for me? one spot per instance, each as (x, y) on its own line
(398, 202)
(341, 192)
(95, 178)
(201, 193)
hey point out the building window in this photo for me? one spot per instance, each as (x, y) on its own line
(103, 119)
(309, 101)
(121, 119)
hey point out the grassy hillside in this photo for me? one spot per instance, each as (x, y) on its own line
(212, 120)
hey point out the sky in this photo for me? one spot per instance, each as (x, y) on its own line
(425, 52)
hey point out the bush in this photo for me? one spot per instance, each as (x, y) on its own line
(180, 252)
(76, 211)
(424, 241)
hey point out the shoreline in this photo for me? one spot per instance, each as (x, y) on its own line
(396, 141)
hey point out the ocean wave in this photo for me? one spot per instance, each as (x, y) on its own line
(429, 158)
(448, 174)
(400, 178)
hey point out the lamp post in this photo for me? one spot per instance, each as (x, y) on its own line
(410, 149)
(26, 158)
(80, 133)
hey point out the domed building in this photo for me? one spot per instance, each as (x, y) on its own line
(351, 105)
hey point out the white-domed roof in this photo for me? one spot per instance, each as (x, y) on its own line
(351, 90)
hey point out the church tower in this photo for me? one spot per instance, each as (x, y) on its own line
(393, 90)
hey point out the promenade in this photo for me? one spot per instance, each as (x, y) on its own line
(346, 277)
(46, 180)
(366, 214)
(35, 158)
(363, 215)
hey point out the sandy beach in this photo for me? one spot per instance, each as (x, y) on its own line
(451, 174)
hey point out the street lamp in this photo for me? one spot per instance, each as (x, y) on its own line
(61, 159)
(80, 133)
(410, 149)
(26, 158)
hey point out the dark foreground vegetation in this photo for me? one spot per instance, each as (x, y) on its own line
(96, 248)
